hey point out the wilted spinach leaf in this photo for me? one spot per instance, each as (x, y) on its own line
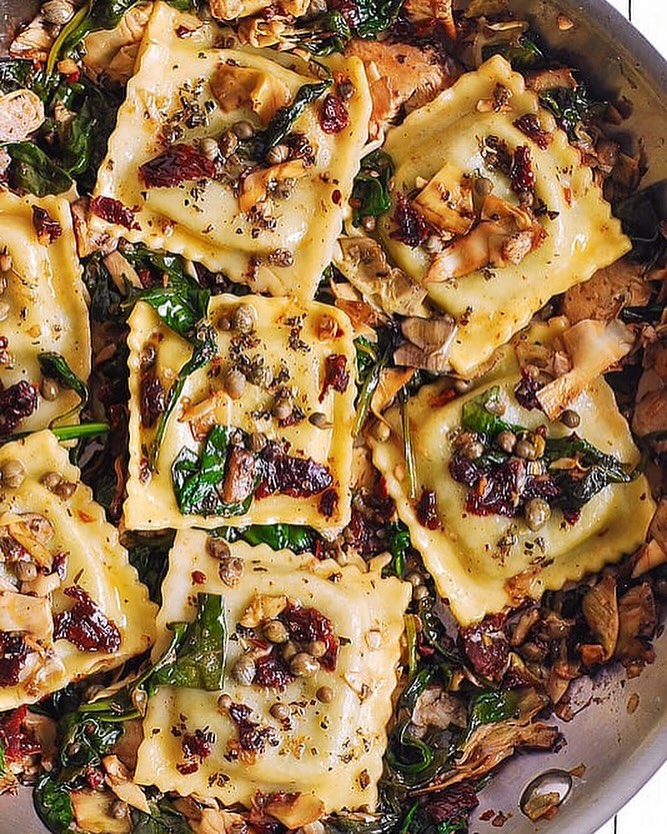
(280, 536)
(31, 170)
(281, 124)
(198, 654)
(491, 706)
(196, 478)
(475, 416)
(163, 819)
(55, 366)
(572, 107)
(53, 804)
(180, 304)
(370, 193)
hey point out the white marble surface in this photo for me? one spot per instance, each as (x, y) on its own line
(644, 814)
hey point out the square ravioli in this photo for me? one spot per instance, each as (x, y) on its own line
(272, 222)
(273, 411)
(494, 211)
(39, 271)
(496, 523)
(72, 605)
(306, 725)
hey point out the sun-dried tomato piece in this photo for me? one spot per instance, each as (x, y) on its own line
(522, 177)
(113, 211)
(85, 625)
(272, 672)
(333, 115)
(48, 230)
(336, 374)
(307, 624)
(296, 477)
(253, 737)
(179, 163)
(412, 229)
(453, 804)
(152, 399)
(14, 652)
(530, 125)
(427, 510)
(16, 403)
(486, 646)
(329, 503)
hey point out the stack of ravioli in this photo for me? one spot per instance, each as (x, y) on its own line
(324, 732)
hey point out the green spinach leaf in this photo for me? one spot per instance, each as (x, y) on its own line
(163, 819)
(180, 304)
(572, 107)
(198, 658)
(476, 417)
(204, 349)
(281, 124)
(55, 366)
(197, 478)
(31, 170)
(491, 706)
(280, 536)
(370, 193)
(53, 805)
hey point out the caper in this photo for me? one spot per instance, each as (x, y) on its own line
(570, 418)
(12, 474)
(231, 570)
(217, 548)
(229, 142)
(257, 441)
(536, 512)
(325, 694)
(290, 650)
(462, 386)
(420, 592)
(472, 449)
(49, 389)
(235, 383)
(525, 449)
(51, 480)
(303, 665)
(244, 670)
(209, 147)
(244, 129)
(369, 223)
(281, 712)
(276, 632)
(506, 440)
(415, 578)
(282, 406)
(224, 702)
(345, 89)
(65, 489)
(316, 648)
(243, 318)
(277, 154)
(320, 420)
(119, 809)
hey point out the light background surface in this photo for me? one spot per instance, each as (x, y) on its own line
(645, 813)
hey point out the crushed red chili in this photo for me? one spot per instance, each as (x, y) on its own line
(522, 177)
(530, 125)
(427, 510)
(253, 738)
(48, 230)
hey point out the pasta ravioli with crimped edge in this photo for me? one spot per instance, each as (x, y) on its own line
(204, 219)
(52, 514)
(491, 303)
(329, 746)
(44, 274)
(485, 563)
(287, 358)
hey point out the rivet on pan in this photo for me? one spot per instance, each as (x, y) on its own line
(545, 793)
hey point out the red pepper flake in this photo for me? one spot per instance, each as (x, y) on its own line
(427, 510)
(94, 778)
(336, 375)
(179, 163)
(522, 177)
(85, 625)
(113, 211)
(85, 517)
(253, 737)
(333, 114)
(198, 577)
(187, 768)
(336, 196)
(48, 230)
(530, 125)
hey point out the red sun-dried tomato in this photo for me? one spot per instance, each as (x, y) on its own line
(48, 230)
(486, 646)
(530, 125)
(427, 510)
(253, 738)
(307, 624)
(113, 211)
(16, 403)
(333, 115)
(336, 374)
(14, 652)
(152, 399)
(522, 177)
(179, 163)
(412, 228)
(453, 804)
(296, 477)
(85, 625)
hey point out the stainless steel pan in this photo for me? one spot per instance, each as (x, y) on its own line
(619, 748)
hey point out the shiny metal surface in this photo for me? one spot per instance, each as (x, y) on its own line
(619, 749)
